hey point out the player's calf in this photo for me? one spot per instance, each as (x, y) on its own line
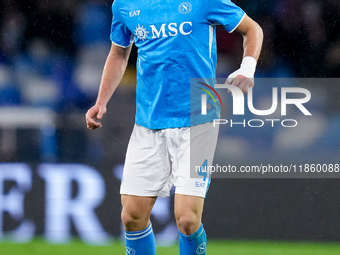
(188, 213)
(139, 236)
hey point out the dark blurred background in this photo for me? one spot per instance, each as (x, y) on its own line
(61, 46)
(51, 57)
(52, 54)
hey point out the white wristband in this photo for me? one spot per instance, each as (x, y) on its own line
(248, 66)
(247, 69)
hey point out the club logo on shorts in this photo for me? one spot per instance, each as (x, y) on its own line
(185, 7)
(130, 251)
(141, 32)
(201, 249)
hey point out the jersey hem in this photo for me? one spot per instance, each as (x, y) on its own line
(122, 46)
(244, 15)
(179, 126)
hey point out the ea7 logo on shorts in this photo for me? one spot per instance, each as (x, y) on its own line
(201, 249)
(199, 184)
(134, 13)
(130, 251)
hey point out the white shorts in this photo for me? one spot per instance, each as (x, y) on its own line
(157, 159)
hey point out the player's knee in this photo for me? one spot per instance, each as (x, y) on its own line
(188, 222)
(129, 220)
(133, 221)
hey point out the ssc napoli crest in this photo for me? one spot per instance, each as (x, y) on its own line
(185, 7)
(130, 251)
(201, 249)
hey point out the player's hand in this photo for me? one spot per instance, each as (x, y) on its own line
(240, 81)
(93, 115)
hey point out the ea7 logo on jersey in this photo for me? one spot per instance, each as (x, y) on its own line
(172, 29)
(134, 13)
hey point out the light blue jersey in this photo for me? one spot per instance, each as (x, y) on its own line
(176, 42)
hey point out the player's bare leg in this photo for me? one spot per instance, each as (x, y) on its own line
(188, 213)
(139, 236)
(136, 212)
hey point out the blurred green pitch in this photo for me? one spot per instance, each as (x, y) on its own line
(41, 247)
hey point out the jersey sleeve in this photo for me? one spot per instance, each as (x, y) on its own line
(225, 13)
(120, 34)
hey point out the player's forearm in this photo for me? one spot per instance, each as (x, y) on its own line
(113, 72)
(253, 37)
(112, 75)
(253, 43)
